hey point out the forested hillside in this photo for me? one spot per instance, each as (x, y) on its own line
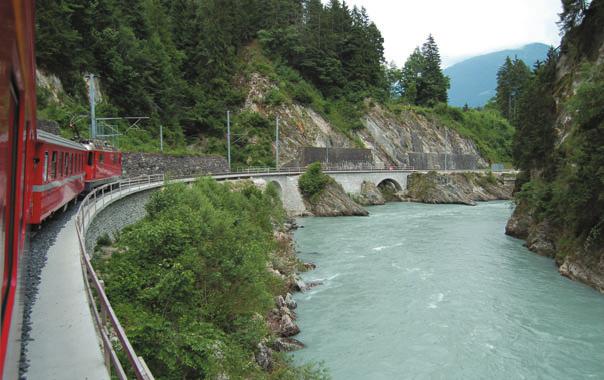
(184, 63)
(175, 60)
(559, 147)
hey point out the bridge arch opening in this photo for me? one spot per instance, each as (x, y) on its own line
(391, 184)
(389, 189)
(276, 186)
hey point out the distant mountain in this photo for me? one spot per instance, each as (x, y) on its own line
(474, 80)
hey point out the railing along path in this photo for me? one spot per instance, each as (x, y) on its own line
(106, 320)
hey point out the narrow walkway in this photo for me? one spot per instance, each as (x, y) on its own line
(64, 341)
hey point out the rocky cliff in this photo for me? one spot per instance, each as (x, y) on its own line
(333, 201)
(543, 204)
(404, 139)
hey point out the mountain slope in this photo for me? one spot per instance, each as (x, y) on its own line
(473, 81)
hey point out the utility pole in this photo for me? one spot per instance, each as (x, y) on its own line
(277, 143)
(91, 99)
(229, 138)
(161, 138)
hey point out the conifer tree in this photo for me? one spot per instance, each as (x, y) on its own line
(435, 83)
(422, 80)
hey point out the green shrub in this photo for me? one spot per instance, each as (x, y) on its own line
(190, 283)
(104, 240)
(313, 181)
(274, 97)
(302, 93)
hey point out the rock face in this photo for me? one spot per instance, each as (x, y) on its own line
(333, 201)
(458, 188)
(579, 269)
(541, 237)
(405, 139)
(135, 164)
(411, 139)
(370, 195)
(519, 223)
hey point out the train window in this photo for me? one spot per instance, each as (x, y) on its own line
(53, 165)
(45, 168)
(90, 156)
(101, 158)
(71, 163)
(62, 164)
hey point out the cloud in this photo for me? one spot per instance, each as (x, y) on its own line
(462, 28)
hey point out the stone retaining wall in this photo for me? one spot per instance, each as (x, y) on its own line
(135, 164)
(116, 216)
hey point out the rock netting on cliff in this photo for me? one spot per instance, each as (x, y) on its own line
(136, 164)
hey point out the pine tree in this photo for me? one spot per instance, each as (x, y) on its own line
(572, 14)
(423, 82)
(512, 77)
(535, 137)
(435, 83)
(412, 76)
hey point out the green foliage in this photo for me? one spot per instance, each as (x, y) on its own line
(336, 48)
(189, 282)
(313, 180)
(253, 137)
(535, 136)
(421, 80)
(177, 62)
(512, 78)
(104, 240)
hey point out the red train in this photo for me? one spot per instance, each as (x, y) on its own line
(63, 169)
(40, 173)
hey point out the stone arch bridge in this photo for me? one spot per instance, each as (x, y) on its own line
(351, 181)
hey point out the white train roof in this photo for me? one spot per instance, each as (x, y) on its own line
(58, 140)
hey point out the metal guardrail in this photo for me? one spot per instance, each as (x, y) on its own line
(106, 320)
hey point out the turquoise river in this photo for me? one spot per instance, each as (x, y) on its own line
(439, 292)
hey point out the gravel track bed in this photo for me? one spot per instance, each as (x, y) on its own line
(114, 218)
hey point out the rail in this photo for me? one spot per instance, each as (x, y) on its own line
(105, 318)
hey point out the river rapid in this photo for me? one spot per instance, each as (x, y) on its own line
(420, 291)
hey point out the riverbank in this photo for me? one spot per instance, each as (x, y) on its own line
(574, 259)
(330, 199)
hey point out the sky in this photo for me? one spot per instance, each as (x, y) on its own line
(462, 28)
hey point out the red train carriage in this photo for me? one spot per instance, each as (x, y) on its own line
(17, 134)
(58, 174)
(103, 164)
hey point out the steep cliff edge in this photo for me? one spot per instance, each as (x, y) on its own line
(559, 200)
